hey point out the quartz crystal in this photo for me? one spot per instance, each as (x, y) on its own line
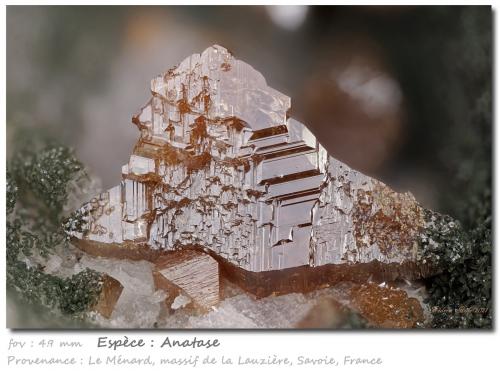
(222, 169)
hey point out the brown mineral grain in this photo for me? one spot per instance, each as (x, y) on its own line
(110, 293)
(328, 313)
(190, 273)
(386, 306)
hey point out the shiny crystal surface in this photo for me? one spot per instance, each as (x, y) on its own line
(190, 276)
(219, 164)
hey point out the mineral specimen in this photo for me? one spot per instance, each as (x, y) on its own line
(329, 313)
(221, 168)
(387, 307)
(178, 275)
(110, 293)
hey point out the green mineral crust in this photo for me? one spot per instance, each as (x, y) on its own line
(37, 189)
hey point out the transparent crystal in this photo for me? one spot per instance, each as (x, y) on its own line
(220, 165)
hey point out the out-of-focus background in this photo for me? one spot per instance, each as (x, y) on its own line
(388, 90)
(400, 93)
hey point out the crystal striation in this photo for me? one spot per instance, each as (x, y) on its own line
(179, 277)
(221, 167)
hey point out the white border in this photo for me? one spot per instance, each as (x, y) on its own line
(409, 350)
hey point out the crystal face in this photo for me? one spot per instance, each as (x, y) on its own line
(221, 167)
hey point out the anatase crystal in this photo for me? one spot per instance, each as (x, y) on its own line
(221, 169)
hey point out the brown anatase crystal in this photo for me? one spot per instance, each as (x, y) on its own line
(222, 176)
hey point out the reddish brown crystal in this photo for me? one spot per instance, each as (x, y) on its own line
(306, 279)
(190, 273)
(386, 306)
(110, 293)
(221, 167)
